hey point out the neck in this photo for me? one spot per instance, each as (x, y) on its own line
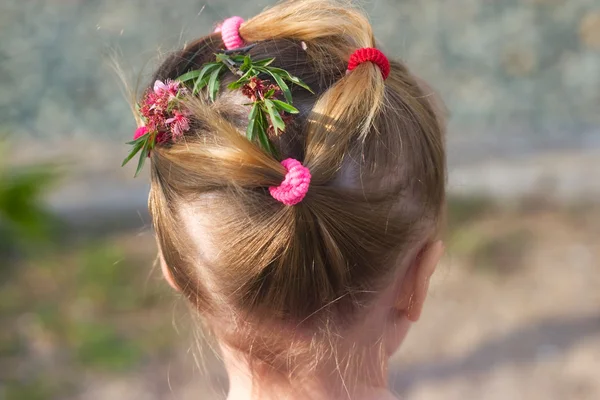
(366, 384)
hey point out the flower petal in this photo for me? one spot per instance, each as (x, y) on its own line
(160, 87)
(139, 132)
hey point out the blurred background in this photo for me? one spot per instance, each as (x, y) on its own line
(514, 311)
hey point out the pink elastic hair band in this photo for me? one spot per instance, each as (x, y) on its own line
(230, 32)
(295, 184)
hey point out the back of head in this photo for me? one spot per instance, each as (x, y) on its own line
(258, 270)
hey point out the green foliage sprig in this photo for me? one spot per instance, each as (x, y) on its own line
(266, 114)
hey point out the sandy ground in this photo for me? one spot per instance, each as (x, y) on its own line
(528, 328)
(531, 334)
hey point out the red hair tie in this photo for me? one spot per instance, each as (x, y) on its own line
(373, 55)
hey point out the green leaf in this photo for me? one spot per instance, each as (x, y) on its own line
(269, 94)
(283, 106)
(189, 76)
(221, 57)
(247, 64)
(264, 63)
(237, 84)
(263, 138)
(276, 119)
(284, 88)
(238, 58)
(202, 78)
(200, 84)
(214, 84)
(140, 139)
(143, 155)
(282, 72)
(252, 120)
(242, 81)
(290, 77)
(282, 85)
(301, 83)
(136, 148)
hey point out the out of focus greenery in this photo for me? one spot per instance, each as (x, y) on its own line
(90, 306)
(23, 219)
(70, 303)
(86, 307)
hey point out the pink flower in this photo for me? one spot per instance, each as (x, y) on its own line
(170, 88)
(139, 132)
(160, 87)
(162, 137)
(161, 112)
(179, 124)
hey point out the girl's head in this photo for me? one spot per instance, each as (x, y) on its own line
(332, 280)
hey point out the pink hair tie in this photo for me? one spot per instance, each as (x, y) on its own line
(230, 32)
(295, 184)
(369, 54)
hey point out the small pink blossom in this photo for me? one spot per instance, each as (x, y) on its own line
(160, 87)
(179, 124)
(139, 132)
(161, 112)
(155, 103)
(162, 137)
(170, 88)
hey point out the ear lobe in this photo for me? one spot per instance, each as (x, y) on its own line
(166, 272)
(417, 280)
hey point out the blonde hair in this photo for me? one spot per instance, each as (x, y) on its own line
(375, 150)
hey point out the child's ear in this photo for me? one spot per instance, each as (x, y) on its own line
(166, 272)
(415, 283)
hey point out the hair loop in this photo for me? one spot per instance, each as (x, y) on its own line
(370, 54)
(295, 184)
(230, 32)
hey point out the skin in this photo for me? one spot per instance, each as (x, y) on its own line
(387, 322)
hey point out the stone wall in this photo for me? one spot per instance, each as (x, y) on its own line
(517, 75)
